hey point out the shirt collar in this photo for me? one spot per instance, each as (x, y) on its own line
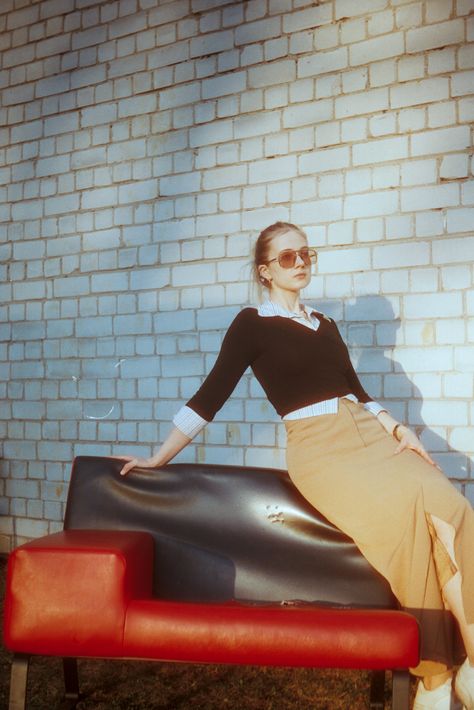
(270, 308)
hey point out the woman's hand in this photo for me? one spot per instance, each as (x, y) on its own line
(174, 442)
(135, 463)
(408, 440)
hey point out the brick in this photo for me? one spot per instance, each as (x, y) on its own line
(344, 260)
(461, 83)
(18, 95)
(424, 305)
(218, 131)
(174, 322)
(27, 131)
(137, 105)
(366, 102)
(327, 211)
(419, 172)
(257, 31)
(307, 113)
(131, 65)
(441, 140)
(436, 35)
(464, 358)
(180, 95)
(396, 255)
(247, 126)
(58, 84)
(347, 8)
(419, 92)
(460, 220)
(324, 160)
(370, 205)
(219, 223)
(183, 183)
(52, 166)
(322, 63)
(454, 166)
(234, 83)
(61, 205)
(431, 197)
(97, 115)
(380, 151)
(225, 177)
(374, 50)
(271, 168)
(53, 45)
(29, 290)
(277, 72)
(138, 191)
(307, 18)
(211, 43)
(105, 282)
(453, 250)
(99, 197)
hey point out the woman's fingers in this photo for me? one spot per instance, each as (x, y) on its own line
(128, 466)
(411, 441)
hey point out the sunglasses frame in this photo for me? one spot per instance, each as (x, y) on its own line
(314, 255)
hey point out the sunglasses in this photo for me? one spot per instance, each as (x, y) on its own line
(287, 257)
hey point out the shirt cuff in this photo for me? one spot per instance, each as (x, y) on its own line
(189, 422)
(374, 408)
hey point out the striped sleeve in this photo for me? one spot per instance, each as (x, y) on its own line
(189, 422)
(374, 408)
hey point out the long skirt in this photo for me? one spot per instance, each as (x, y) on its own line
(345, 465)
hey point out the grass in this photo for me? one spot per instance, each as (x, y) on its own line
(143, 685)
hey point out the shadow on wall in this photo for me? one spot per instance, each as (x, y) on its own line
(369, 326)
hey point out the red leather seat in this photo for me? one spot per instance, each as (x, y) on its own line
(88, 593)
(67, 593)
(270, 635)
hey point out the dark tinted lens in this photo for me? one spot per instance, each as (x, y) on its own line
(305, 255)
(287, 258)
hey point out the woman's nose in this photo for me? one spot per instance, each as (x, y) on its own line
(298, 259)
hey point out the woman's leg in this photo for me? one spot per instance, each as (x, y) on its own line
(452, 589)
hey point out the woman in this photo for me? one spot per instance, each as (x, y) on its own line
(405, 516)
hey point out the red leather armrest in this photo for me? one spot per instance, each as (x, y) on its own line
(67, 593)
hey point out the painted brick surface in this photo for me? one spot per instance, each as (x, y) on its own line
(144, 146)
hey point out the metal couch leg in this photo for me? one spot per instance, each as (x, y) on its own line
(400, 690)
(71, 681)
(18, 682)
(377, 690)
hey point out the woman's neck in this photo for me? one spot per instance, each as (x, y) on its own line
(288, 300)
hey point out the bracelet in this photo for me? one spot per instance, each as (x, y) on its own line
(394, 431)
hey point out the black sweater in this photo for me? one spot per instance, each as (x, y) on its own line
(295, 365)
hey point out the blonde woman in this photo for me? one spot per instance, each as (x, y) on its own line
(366, 472)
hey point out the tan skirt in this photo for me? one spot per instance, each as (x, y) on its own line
(344, 464)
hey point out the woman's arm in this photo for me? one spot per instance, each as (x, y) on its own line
(172, 445)
(406, 437)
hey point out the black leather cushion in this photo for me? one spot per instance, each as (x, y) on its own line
(226, 532)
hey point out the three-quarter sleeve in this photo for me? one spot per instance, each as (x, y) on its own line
(237, 352)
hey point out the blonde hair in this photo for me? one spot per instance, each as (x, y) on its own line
(262, 246)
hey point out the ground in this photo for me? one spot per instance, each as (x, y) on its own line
(141, 685)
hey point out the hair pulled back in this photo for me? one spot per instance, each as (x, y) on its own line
(263, 243)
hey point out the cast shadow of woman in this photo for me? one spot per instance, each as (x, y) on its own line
(369, 326)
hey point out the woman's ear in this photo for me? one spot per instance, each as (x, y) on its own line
(264, 273)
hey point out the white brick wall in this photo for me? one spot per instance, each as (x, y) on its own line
(144, 145)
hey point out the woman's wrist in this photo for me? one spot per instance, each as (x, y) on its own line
(397, 431)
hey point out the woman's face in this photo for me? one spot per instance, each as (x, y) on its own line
(294, 278)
